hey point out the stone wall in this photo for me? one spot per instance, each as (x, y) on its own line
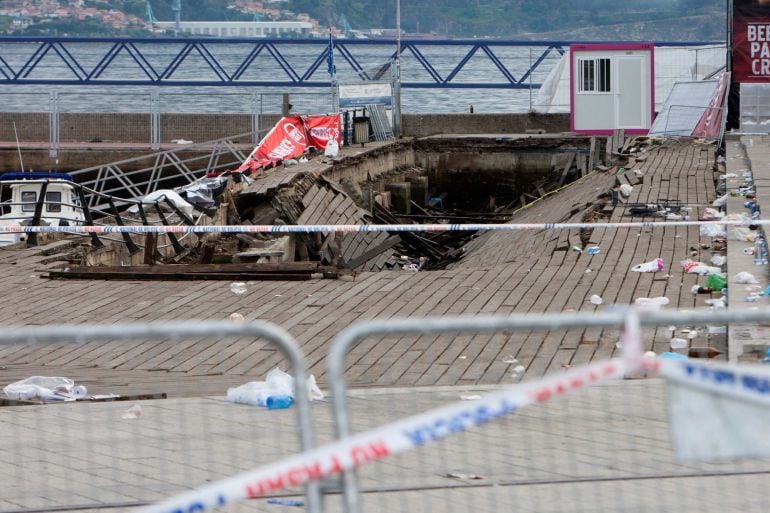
(422, 125)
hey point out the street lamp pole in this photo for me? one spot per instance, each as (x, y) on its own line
(397, 91)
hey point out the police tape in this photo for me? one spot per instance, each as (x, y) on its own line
(743, 382)
(346, 228)
(406, 434)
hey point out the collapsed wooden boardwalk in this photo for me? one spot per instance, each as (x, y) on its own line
(502, 273)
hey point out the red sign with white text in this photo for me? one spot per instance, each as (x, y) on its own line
(322, 129)
(286, 140)
(751, 41)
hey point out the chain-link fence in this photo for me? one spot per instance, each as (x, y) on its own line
(606, 447)
(139, 435)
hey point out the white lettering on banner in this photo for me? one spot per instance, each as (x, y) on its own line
(286, 147)
(325, 133)
(758, 37)
(294, 132)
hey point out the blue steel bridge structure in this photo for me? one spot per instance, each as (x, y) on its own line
(439, 64)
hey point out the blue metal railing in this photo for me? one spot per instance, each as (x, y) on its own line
(275, 62)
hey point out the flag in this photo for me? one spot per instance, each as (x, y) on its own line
(330, 55)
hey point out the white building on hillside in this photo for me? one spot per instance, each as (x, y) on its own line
(240, 28)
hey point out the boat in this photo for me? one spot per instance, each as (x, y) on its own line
(52, 198)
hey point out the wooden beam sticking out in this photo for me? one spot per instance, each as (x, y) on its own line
(150, 246)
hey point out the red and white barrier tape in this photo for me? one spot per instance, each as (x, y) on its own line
(400, 436)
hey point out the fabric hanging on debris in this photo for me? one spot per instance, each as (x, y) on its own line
(693, 109)
(290, 138)
(322, 129)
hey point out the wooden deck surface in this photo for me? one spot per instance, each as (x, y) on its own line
(502, 273)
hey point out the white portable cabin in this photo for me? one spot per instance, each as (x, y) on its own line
(612, 87)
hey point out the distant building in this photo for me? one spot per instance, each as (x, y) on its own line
(240, 28)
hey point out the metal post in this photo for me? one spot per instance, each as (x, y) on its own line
(53, 124)
(155, 119)
(397, 91)
(530, 79)
(255, 119)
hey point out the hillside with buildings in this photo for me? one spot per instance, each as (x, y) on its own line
(509, 19)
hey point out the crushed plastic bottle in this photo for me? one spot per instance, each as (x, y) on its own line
(678, 343)
(238, 287)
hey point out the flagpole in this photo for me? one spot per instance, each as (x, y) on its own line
(333, 72)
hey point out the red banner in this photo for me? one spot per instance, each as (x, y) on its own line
(751, 41)
(710, 124)
(322, 129)
(286, 140)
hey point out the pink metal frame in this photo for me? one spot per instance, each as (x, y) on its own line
(603, 47)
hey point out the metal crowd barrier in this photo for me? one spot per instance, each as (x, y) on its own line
(529, 461)
(88, 459)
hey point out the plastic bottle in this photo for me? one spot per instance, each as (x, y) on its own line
(760, 251)
(278, 402)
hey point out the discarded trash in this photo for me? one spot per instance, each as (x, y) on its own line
(654, 302)
(711, 214)
(518, 371)
(278, 402)
(332, 148)
(593, 250)
(41, 387)
(464, 476)
(742, 234)
(718, 259)
(650, 355)
(752, 298)
(287, 502)
(720, 201)
(595, 299)
(697, 289)
(238, 287)
(668, 355)
(278, 389)
(649, 267)
(618, 345)
(588, 271)
(716, 282)
(717, 303)
(510, 359)
(470, 397)
(703, 352)
(744, 277)
(692, 334)
(713, 230)
(79, 392)
(626, 189)
(132, 413)
(181, 141)
(236, 318)
(577, 249)
(678, 343)
(692, 267)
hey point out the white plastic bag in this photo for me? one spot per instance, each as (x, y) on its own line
(41, 387)
(699, 268)
(652, 302)
(277, 383)
(652, 266)
(720, 201)
(713, 230)
(744, 277)
(626, 189)
(332, 148)
(742, 234)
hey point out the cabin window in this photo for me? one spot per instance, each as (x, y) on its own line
(53, 201)
(28, 201)
(594, 76)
